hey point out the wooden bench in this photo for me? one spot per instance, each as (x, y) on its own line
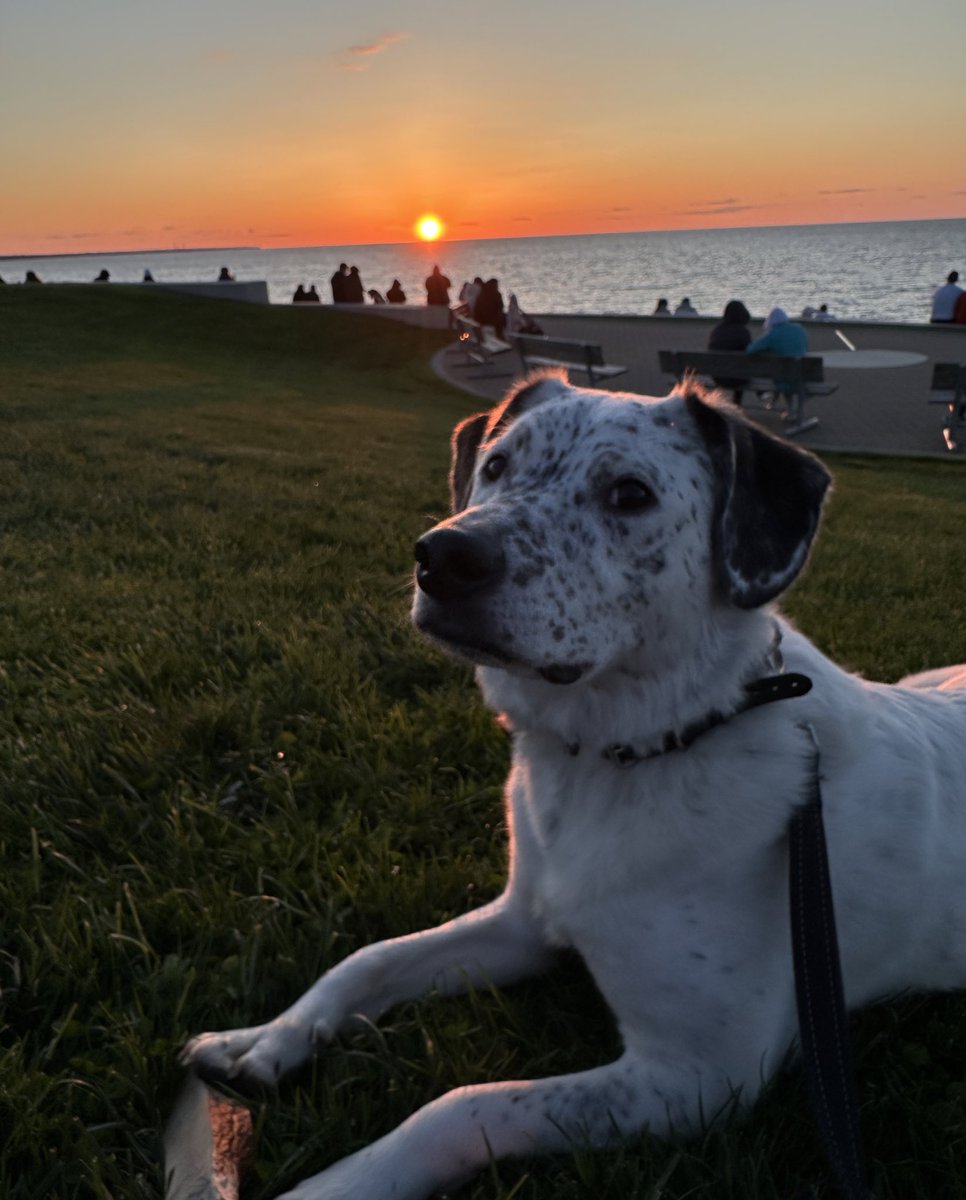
(539, 351)
(949, 389)
(795, 379)
(478, 344)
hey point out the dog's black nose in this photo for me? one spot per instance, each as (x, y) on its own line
(454, 563)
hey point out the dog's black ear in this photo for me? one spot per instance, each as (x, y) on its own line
(469, 435)
(463, 447)
(768, 500)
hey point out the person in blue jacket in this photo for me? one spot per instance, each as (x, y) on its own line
(781, 336)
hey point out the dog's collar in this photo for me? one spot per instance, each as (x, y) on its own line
(758, 692)
(763, 690)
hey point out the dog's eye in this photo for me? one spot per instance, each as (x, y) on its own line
(629, 495)
(494, 467)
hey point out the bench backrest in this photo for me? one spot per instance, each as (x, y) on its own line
(529, 345)
(742, 366)
(949, 377)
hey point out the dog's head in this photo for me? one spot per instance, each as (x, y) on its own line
(594, 530)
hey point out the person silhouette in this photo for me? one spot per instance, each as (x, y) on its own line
(354, 293)
(312, 296)
(225, 276)
(338, 282)
(396, 295)
(437, 287)
(104, 276)
(299, 296)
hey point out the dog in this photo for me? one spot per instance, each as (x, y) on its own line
(610, 567)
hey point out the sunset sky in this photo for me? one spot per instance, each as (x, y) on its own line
(125, 124)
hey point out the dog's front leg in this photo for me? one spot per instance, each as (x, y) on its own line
(459, 1134)
(494, 945)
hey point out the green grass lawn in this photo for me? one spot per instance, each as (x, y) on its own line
(226, 760)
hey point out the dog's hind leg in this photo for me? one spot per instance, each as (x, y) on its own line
(945, 678)
(457, 1135)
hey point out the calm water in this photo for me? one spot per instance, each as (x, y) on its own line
(883, 271)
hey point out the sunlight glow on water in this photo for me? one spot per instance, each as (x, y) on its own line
(885, 271)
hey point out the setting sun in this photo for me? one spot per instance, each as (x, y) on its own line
(429, 227)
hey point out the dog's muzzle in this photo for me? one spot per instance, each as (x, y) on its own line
(455, 564)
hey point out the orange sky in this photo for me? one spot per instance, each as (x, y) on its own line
(235, 122)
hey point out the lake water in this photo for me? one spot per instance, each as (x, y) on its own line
(884, 271)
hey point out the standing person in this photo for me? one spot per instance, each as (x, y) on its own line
(489, 307)
(731, 334)
(437, 287)
(470, 292)
(396, 295)
(944, 300)
(338, 282)
(354, 293)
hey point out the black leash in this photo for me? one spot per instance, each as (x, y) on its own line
(822, 1020)
(820, 997)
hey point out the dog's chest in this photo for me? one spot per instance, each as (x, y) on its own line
(598, 832)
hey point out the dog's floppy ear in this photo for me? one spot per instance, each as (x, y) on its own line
(463, 447)
(768, 500)
(469, 435)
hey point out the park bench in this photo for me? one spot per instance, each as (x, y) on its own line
(539, 351)
(801, 378)
(478, 344)
(949, 389)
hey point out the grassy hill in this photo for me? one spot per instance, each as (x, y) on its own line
(226, 760)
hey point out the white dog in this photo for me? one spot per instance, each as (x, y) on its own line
(609, 568)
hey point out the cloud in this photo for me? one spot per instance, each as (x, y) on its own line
(842, 191)
(350, 58)
(717, 208)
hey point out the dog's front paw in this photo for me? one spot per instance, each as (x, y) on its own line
(261, 1054)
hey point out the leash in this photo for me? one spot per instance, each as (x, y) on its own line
(822, 1020)
(820, 997)
(819, 994)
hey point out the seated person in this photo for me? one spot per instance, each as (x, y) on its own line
(396, 295)
(661, 309)
(784, 337)
(299, 297)
(732, 335)
(517, 321)
(312, 296)
(686, 309)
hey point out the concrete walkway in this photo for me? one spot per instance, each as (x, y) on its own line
(880, 410)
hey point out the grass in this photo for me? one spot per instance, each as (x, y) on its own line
(226, 761)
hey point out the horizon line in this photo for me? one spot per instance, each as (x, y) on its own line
(445, 241)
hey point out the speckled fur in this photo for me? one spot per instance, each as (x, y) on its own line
(669, 877)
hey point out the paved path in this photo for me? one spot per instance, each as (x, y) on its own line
(876, 409)
(879, 410)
